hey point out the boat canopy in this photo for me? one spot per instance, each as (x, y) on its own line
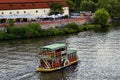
(53, 46)
(71, 51)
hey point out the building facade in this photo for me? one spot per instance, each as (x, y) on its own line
(30, 7)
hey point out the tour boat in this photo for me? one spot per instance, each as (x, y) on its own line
(56, 56)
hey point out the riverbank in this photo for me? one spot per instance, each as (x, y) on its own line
(45, 24)
(33, 30)
(43, 28)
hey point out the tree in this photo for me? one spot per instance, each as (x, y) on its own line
(71, 5)
(112, 6)
(56, 8)
(101, 17)
(77, 2)
(103, 3)
(96, 1)
(10, 22)
(88, 6)
(115, 8)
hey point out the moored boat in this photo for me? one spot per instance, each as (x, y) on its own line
(56, 56)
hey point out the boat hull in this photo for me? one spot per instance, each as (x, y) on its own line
(54, 69)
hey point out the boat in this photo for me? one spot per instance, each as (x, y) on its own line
(56, 56)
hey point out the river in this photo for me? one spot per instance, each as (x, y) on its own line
(98, 54)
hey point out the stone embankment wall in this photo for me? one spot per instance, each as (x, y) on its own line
(60, 23)
(54, 23)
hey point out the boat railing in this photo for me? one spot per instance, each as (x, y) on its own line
(47, 64)
(45, 57)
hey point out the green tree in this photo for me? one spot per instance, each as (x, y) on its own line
(103, 3)
(56, 8)
(10, 22)
(115, 8)
(71, 5)
(101, 17)
(112, 6)
(96, 1)
(88, 6)
(77, 2)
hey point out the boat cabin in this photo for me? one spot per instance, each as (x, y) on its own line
(56, 56)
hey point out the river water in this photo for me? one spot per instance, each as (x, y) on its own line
(98, 54)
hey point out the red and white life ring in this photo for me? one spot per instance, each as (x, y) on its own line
(65, 62)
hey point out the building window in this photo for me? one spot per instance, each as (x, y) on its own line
(10, 12)
(24, 11)
(2, 13)
(36, 11)
(17, 12)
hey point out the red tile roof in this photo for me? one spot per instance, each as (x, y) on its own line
(27, 4)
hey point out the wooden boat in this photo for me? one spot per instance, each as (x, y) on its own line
(56, 56)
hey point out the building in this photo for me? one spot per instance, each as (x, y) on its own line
(27, 8)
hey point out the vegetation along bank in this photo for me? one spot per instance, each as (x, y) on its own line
(33, 30)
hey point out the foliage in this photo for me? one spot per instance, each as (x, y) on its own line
(115, 8)
(9, 36)
(18, 31)
(56, 8)
(88, 6)
(101, 17)
(10, 22)
(96, 1)
(2, 35)
(34, 30)
(112, 6)
(71, 5)
(72, 26)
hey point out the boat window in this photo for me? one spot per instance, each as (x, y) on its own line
(71, 55)
(62, 49)
(57, 51)
(63, 54)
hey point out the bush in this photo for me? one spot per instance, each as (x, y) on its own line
(32, 30)
(101, 17)
(18, 31)
(10, 22)
(51, 32)
(9, 36)
(2, 34)
(72, 26)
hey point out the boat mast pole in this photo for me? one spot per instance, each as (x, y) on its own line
(66, 47)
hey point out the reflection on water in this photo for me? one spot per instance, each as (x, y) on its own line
(99, 55)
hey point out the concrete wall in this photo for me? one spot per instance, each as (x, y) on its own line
(34, 12)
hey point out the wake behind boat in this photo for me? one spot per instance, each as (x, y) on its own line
(56, 56)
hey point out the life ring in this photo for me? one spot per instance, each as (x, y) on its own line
(65, 62)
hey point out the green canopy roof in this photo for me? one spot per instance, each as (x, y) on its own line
(71, 51)
(53, 46)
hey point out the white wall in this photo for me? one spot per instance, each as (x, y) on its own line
(34, 12)
(66, 11)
